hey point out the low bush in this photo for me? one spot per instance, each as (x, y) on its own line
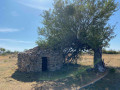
(110, 52)
(112, 70)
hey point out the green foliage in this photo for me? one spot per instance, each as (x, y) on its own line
(76, 25)
(6, 52)
(70, 10)
(2, 49)
(16, 52)
(112, 70)
(42, 43)
(110, 52)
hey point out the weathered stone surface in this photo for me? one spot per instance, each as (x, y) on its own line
(31, 60)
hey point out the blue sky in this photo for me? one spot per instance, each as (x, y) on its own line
(19, 20)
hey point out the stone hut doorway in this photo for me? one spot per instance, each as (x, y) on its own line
(44, 64)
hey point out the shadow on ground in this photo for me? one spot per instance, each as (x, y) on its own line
(66, 71)
(67, 78)
(110, 82)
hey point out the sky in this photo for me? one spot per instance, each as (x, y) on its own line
(20, 19)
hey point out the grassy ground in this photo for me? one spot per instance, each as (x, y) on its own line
(65, 72)
(110, 82)
(67, 78)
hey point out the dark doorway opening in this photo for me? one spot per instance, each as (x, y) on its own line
(44, 64)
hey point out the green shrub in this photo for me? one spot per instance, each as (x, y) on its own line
(110, 52)
(112, 70)
(5, 60)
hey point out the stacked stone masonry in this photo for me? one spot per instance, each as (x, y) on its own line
(31, 60)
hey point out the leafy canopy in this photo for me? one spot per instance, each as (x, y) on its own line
(75, 25)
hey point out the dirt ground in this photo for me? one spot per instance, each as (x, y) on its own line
(8, 66)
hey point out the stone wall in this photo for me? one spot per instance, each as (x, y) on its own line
(31, 60)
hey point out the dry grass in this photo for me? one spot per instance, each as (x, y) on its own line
(8, 67)
(111, 60)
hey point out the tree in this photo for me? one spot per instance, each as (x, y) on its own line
(98, 32)
(2, 50)
(76, 25)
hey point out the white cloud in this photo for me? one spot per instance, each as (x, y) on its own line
(16, 41)
(8, 30)
(37, 4)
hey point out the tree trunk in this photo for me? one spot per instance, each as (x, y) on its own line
(98, 63)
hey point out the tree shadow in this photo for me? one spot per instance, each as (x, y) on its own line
(64, 72)
(69, 83)
(63, 79)
(25, 77)
(110, 82)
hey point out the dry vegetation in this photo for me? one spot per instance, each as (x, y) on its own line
(111, 60)
(8, 67)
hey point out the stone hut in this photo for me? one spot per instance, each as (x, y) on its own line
(39, 59)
